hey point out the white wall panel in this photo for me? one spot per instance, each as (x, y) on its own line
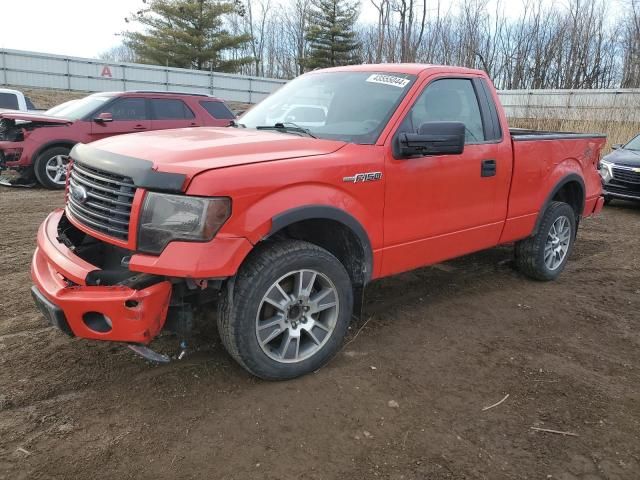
(31, 69)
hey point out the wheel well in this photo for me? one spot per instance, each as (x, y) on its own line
(336, 238)
(61, 143)
(571, 193)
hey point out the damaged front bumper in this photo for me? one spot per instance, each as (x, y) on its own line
(126, 311)
(11, 155)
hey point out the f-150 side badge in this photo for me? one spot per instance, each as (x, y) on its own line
(363, 177)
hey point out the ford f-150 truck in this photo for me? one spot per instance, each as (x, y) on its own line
(279, 227)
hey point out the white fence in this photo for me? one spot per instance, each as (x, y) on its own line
(42, 70)
(611, 105)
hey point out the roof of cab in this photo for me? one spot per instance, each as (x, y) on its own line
(406, 68)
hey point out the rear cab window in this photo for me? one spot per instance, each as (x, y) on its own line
(170, 109)
(8, 100)
(217, 110)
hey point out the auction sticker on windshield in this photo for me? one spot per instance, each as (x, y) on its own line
(388, 80)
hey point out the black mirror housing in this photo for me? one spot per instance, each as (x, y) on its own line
(433, 138)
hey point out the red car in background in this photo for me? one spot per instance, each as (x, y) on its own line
(38, 145)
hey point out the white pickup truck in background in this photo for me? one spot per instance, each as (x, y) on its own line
(15, 100)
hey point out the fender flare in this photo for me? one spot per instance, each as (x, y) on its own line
(572, 177)
(324, 212)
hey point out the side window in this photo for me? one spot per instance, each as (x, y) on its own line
(218, 110)
(170, 109)
(129, 108)
(30, 105)
(448, 100)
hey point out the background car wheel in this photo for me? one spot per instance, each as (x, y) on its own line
(544, 255)
(607, 199)
(50, 167)
(287, 311)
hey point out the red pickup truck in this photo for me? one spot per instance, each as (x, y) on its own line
(37, 145)
(279, 227)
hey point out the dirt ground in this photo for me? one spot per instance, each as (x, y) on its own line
(403, 400)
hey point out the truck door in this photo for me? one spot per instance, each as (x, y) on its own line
(441, 207)
(129, 114)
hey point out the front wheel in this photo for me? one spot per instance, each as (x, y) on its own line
(287, 311)
(51, 166)
(544, 255)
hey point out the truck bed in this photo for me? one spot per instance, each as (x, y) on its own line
(524, 134)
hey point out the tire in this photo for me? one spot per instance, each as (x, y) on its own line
(531, 254)
(247, 311)
(54, 157)
(607, 200)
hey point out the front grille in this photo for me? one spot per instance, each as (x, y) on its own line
(625, 175)
(106, 207)
(612, 188)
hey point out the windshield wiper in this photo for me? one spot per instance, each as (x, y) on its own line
(235, 124)
(287, 127)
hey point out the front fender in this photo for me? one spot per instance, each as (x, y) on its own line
(263, 192)
(267, 215)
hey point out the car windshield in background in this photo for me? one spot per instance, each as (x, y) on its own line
(79, 108)
(349, 106)
(633, 144)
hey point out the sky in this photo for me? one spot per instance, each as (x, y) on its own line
(81, 28)
(85, 28)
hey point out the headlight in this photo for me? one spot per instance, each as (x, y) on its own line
(166, 218)
(606, 170)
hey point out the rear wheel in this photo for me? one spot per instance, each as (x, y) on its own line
(288, 311)
(544, 255)
(50, 167)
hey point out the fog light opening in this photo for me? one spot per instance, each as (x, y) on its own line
(131, 303)
(97, 322)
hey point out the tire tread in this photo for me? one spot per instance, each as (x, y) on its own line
(527, 258)
(235, 295)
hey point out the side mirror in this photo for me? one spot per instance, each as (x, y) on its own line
(433, 138)
(103, 117)
(617, 146)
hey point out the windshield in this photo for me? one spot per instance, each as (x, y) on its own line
(76, 109)
(633, 144)
(349, 106)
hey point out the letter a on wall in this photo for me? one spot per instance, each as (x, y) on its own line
(106, 72)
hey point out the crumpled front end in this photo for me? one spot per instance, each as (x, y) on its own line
(88, 301)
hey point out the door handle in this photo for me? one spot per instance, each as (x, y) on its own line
(488, 168)
(139, 127)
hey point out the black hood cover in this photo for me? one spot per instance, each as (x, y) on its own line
(627, 158)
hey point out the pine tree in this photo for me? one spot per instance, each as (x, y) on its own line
(187, 34)
(331, 35)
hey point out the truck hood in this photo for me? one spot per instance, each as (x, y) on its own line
(34, 117)
(627, 158)
(191, 151)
